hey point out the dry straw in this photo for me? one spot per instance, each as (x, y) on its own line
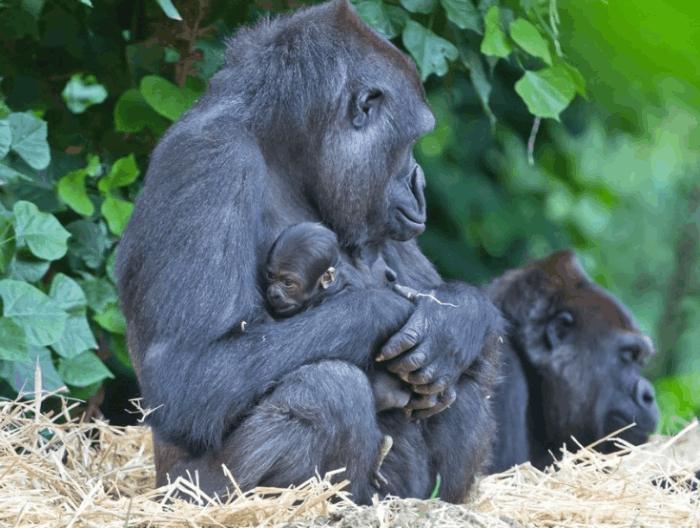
(75, 474)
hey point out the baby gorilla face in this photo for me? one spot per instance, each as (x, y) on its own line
(289, 292)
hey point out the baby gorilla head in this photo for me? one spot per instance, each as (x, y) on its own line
(301, 267)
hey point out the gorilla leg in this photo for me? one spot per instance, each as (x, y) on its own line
(321, 417)
(459, 440)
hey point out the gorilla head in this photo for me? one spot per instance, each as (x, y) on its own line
(580, 352)
(339, 121)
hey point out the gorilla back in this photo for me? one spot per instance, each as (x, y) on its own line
(571, 365)
(311, 119)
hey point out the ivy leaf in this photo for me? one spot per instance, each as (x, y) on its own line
(67, 294)
(546, 92)
(117, 213)
(7, 242)
(112, 319)
(430, 51)
(82, 92)
(132, 113)
(29, 139)
(100, 293)
(165, 98)
(5, 138)
(169, 9)
(72, 191)
(43, 234)
(76, 339)
(463, 14)
(472, 61)
(529, 38)
(13, 345)
(26, 267)
(419, 6)
(376, 16)
(82, 370)
(20, 374)
(42, 318)
(576, 78)
(124, 172)
(495, 41)
(89, 241)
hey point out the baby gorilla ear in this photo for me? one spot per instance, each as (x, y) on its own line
(328, 278)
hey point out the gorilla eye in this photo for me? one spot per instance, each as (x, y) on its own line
(288, 283)
(630, 354)
(270, 276)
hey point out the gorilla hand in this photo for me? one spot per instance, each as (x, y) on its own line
(440, 342)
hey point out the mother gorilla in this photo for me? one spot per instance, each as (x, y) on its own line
(312, 118)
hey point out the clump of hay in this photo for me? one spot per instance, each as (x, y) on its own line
(75, 474)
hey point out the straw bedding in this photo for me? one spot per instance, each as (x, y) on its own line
(77, 475)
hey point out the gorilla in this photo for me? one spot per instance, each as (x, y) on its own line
(570, 365)
(312, 118)
(304, 267)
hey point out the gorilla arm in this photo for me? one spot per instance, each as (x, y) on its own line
(445, 336)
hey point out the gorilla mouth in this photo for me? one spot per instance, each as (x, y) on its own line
(413, 219)
(636, 435)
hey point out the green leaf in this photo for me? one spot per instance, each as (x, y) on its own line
(29, 139)
(82, 92)
(419, 6)
(527, 37)
(71, 190)
(26, 267)
(546, 92)
(430, 51)
(124, 172)
(495, 41)
(5, 138)
(42, 318)
(77, 337)
(43, 234)
(7, 243)
(82, 370)
(166, 98)
(117, 213)
(67, 294)
(89, 241)
(100, 293)
(10, 175)
(13, 341)
(576, 78)
(483, 87)
(463, 14)
(169, 9)
(112, 319)
(110, 267)
(132, 113)
(20, 374)
(86, 2)
(376, 16)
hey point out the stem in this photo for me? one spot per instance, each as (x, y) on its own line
(531, 141)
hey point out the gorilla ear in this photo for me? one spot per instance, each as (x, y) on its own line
(328, 278)
(364, 106)
(559, 328)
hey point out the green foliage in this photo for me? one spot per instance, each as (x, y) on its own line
(89, 88)
(436, 34)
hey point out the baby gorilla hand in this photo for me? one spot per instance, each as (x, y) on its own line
(389, 391)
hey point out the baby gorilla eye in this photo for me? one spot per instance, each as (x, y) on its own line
(288, 282)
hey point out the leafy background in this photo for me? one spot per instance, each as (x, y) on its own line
(559, 124)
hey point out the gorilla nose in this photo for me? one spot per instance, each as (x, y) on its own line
(644, 397)
(417, 186)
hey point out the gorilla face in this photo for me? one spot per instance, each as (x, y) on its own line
(366, 150)
(589, 351)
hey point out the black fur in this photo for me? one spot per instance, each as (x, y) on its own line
(312, 118)
(571, 365)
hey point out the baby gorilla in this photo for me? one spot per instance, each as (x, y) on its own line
(305, 266)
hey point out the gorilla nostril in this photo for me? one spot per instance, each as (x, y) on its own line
(644, 393)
